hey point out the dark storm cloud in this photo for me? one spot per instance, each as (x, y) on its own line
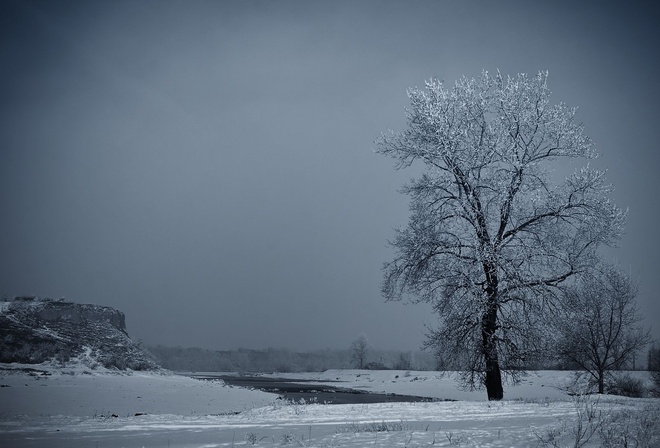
(207, 168)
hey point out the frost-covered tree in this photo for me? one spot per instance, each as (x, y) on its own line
(599, 324)
(359, 350)
(492, 233)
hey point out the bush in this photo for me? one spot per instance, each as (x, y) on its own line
(627, 386)
(375, 366)
(637, 429)
(404, 362)
(654, 367)
(655, 378)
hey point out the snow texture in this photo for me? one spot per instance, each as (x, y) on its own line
(103, 408)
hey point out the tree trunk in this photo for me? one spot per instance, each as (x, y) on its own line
(493, 381)
(601, 382)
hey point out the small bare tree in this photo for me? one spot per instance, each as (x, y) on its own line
(598, 325)
(359, 350)
(404, 362)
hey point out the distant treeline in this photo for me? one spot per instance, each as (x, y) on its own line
(195, 359)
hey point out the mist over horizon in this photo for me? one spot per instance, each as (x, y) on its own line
(207, 168)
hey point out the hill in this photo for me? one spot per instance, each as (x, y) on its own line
(34, 331)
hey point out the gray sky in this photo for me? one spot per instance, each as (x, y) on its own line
(207, 167)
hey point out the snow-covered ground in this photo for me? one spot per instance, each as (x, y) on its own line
(72, 408)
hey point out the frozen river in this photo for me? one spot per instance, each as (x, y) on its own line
(296, 389)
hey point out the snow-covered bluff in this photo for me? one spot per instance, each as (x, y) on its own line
(34, 330)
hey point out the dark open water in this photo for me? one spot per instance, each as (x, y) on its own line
(296, 389)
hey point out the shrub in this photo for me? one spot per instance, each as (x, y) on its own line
(375, 366)
(374, 427)
(654, 367)
(637, 429)
(404, 362)
(655, 378)
(627, 386)
(630, 428)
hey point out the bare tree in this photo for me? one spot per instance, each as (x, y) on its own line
(491, 236)
(598, 324)
(359, 350)
(404, 362)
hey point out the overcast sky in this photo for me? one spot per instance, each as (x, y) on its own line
(208, 169)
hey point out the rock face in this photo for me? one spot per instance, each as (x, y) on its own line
(35, 330)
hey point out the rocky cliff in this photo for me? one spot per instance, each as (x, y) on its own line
(34, 330)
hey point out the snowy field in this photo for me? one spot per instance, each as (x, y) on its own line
(78, 408)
